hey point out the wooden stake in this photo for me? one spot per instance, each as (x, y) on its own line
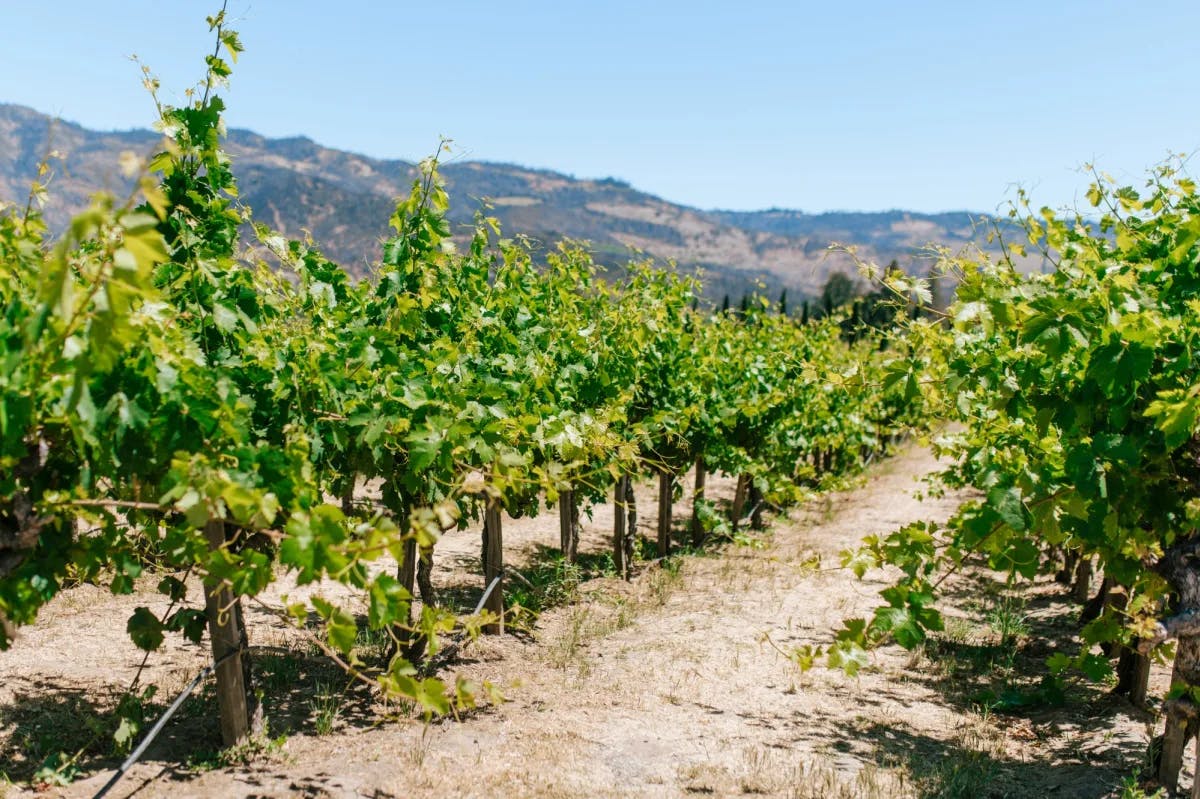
(493, 565)
(407, 574)
(630, 519)
(1141, 681)
(623, 528)
(568, 525)
(1083, 580)
(697, 497)
(1174, 738)
(1174, 741)
(224, 629)
(739, 501)
(411, 646)
(666, 490)
(1067, 572)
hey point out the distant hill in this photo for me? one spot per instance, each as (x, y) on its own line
(345, 200)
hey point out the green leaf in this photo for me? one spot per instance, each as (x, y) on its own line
(125, 733)
(226, 319)
(145, 629)
(859, 561)
(1006, 502)
(1096, 667)
(901, 624)
(847, 656)
(1175, 415)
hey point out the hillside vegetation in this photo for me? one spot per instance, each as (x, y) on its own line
(344, 200)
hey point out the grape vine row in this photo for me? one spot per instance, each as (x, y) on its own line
(186, 388)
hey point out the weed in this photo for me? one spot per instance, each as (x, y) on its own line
(661, 582)
(565, 648)
(415, 755)
(1008, 619)
(958, 630)
(821, 781)
(373, 644)
(325, 705)
(253, 748)
(545, 584)
(278, 671)
(58, 770)
(1131, 789)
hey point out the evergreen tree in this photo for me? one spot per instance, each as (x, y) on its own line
(839, 289)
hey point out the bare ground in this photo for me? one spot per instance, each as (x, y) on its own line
(673, 685)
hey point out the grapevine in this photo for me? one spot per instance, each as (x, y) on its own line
(189, 391)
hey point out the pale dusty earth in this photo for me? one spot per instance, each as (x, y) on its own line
(673, 685)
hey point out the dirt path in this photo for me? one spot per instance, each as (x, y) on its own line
(667, 688)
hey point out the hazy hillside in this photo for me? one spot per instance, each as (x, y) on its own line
(345, 200)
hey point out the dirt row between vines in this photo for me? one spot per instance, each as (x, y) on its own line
(672, 685)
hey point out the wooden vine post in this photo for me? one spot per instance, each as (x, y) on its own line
(1083, 579)
(568, 525)
(225, 630)
(493, 565)
(1133, 667)
(1133, 675)
(666, 490)
(1175, 736)
(697, 499)
(407, 574)
(1066, 574)
(739, 501)
(624, 525)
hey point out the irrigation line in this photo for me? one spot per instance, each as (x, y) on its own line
(491, 587)
(154, 731)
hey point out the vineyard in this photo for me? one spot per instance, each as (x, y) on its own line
(231, 436)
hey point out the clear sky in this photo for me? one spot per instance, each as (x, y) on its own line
(816, 106)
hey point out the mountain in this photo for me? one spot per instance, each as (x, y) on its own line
(344, 200)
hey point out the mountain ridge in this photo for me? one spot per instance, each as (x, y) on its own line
(344, 200)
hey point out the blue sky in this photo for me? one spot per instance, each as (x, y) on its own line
(852, 106)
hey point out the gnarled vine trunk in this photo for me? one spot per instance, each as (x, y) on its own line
(1181, 567)
(19, 525)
